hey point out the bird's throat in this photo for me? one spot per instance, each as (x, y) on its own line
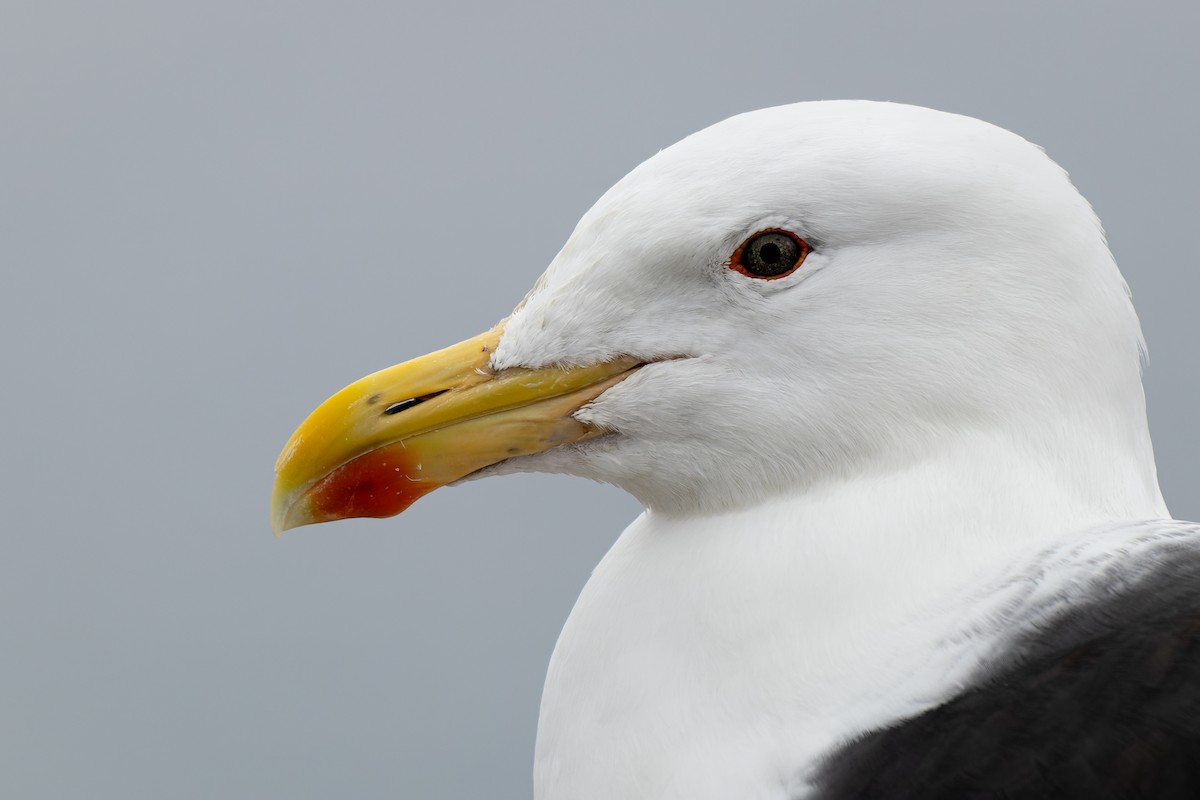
(773, 626)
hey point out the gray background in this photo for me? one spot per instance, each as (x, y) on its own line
(214, 214)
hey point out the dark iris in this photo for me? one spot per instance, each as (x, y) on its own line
(770, 255)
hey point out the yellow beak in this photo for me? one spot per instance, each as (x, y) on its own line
(386, 440)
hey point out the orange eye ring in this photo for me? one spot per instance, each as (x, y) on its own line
(769, 255)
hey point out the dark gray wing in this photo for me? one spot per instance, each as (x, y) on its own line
(1101, 702)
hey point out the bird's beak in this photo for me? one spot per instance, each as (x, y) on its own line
(378, 445)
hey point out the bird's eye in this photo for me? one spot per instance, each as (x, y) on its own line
(769, 254)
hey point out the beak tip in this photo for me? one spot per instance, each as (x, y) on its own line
(282, 523)
(287, 512)
(278, 524)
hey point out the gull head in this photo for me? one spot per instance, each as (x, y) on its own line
(802, 294)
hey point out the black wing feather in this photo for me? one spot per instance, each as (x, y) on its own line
(1104, 702)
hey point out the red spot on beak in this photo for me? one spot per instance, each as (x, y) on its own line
(381, 483)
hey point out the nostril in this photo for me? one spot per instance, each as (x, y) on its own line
(404, 405)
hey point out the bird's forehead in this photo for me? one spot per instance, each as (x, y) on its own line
(838, 169)
(837, 173)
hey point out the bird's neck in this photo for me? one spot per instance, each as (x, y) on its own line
(764, 629)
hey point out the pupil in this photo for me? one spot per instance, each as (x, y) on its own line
(770, 252)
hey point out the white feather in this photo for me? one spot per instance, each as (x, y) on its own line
(950, 382)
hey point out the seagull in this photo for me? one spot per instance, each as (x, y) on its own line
(874, 375)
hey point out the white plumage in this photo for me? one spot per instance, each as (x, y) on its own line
(950, 383)
(903, 533)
